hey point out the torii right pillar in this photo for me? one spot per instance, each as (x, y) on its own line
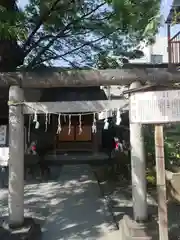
(138, 168)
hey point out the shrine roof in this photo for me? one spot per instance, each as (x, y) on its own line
(67, 94)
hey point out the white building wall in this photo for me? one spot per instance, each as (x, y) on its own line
(159, 48)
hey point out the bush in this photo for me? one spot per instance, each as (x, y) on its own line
(171, 145)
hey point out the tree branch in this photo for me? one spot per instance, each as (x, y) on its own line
(72, 64)
(35, 44)
(39, 23)
(61, 32)
(74, 50)
(69, 52)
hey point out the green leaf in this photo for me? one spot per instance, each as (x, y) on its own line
(87, 32)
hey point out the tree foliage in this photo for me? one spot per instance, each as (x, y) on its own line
(77, 33)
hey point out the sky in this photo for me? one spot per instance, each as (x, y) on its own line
(165, 7)
(22, 3)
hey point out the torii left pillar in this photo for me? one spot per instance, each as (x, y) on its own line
(16, 157)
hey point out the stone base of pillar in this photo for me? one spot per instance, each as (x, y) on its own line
(131, 230)
(30, 230)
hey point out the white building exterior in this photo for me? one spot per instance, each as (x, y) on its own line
(156, 53)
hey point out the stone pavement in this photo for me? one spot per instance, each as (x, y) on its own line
(68, 207)
(76, 211)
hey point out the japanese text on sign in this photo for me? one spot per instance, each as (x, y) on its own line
(3, 132)
(155, 107)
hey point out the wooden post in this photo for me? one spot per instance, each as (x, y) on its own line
(16, 157)
(169, 46)
(161, 183)
(138, 168)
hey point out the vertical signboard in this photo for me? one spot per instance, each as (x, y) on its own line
(4, 150)
(155, 107)
(3, 134)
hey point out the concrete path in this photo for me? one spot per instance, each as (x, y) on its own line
(76, 210)
(68, 207)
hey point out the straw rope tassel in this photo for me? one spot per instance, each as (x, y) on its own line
(59, 129)
(69, 127)
(94, 127)
(80, 124)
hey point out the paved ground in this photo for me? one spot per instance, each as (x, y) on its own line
(68, 207)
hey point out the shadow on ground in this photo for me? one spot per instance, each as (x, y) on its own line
(122, 205)
(67, 208)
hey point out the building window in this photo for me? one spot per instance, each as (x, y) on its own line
(156, 58)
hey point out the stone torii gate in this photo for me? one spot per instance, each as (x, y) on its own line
(18, 81)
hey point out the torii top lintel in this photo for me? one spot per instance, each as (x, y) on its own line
(84, 78)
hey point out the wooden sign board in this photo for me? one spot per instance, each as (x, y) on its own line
(4, 150)
(155, 107)
(4, 156)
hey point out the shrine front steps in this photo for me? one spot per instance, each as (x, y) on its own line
(131, 230)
